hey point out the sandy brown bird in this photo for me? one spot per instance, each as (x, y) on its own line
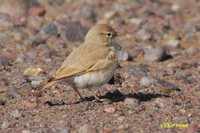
(92, 64)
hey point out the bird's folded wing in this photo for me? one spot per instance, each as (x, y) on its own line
(71, 70)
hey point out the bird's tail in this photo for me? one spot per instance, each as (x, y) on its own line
(45, 85)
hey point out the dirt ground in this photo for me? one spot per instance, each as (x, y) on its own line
(156, 88)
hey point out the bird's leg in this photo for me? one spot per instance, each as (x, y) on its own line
(78, 94)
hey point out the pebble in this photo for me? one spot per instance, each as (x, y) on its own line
(19, 35)
(173, 43)
(131, 102)
(22, 58)
(144, 34)
(30, 103)
(74, 31)
(165, 85)
(35, 41)
(87, 129)
(88, 13)
(191, 51)
(26, 131)
(36, 80)
(50, 29)
(35, 22)
(159, 103)
(5, 21)
(194, 127)
(64, 131)
(5, 124)
(198, 68)
(139, 69)
(136, 21)
(124, 56)
(4, 35)
(12, 94)
(13, 8)
(16, 114)
(36, 11)
(110, 110)
(155, 54)
(116, 46)
(33, 71)
(147, 81)
(4, 61)
(175, 7)
(110, 14)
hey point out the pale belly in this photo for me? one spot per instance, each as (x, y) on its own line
(95, 79)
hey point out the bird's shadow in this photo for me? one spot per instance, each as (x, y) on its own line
(117, 96)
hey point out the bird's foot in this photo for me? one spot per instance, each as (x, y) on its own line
(97, 99)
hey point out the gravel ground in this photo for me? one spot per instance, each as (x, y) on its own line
(156, 88)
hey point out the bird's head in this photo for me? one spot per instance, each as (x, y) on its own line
(103, 34)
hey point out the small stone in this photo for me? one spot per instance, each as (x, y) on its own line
(50, 29)
(36, 80)
(16, 114)
(136, 21)
(35, 41)
(116, 46)
(124, 56)
(5, 22)
(35, 22)
(139, 69)
(26, 131)
(121, 118)
(144, 34)
(22, 58)
(18, 35)
(190, 36)
(87, 129)
(30, 103)
(5, 124)
(33, 71)
(183, 111)
(155, 54)
(4, 61)
(110, 110)
(131, 102)
(147, 81)
(88, 13)
(159, 103)
(12, 94)
(165, 85)
(36, 10)
(13, 8)
(64, 131)
(110, 14)
(74, 31)
(193, 127)
(175, 7)
(198, 68)
(173, 43)
(191, 51)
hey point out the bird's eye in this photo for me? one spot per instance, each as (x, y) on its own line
(109, 34)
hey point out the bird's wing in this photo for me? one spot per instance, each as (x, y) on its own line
(82, 60)
(103, 63)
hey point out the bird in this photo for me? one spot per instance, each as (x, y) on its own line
(91, 65)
